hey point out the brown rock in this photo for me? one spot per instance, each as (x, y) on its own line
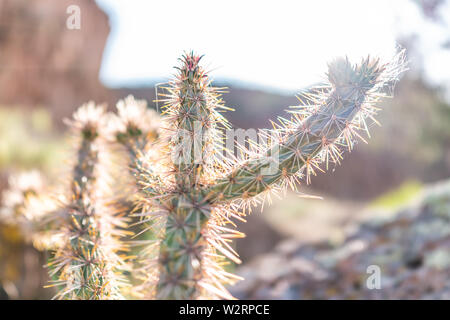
(42, 62)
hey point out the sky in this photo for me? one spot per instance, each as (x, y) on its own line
(275, 45)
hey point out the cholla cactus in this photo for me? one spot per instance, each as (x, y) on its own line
(87, 265)
(202, 190)
(188, 187)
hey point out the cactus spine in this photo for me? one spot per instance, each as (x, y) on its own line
(202, 191)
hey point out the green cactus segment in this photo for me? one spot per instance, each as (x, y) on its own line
(84, 264)
(192, 109)
(180, 255)
(331, 120)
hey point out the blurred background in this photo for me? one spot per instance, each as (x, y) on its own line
(388, 204)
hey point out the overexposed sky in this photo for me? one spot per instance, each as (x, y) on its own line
(281, 45)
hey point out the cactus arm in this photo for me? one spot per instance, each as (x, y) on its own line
(136, 128)
(335, 116)
(86, 264)
(191, 107)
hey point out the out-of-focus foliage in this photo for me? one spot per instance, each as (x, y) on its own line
(21, 272)
(394, 199)
(424, 131)
(28, 140)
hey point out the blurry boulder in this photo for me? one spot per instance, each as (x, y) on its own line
(43, 62)
(411, 251)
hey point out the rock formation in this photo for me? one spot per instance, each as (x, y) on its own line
(42, 62)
